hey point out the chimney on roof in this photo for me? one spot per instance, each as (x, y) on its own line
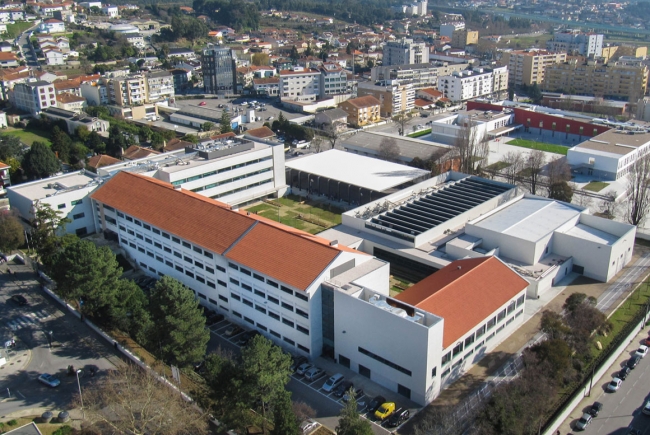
(458, 268)
(177, 187)
(334, 243)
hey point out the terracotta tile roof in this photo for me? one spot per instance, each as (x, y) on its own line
(66, 98)
(223, 136)
(261, 132)
(101, 160)
(363, 102)
(4, 165)
(176, 144)
(289, 255)
(62, 85)
(420, 102)
(198, 219)
(465, 293)
(290, 258)
(433, 92)
(287, 72)
(4, 56)
(135, 152)
(267, 81)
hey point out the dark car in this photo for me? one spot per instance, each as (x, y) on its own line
(19, 299)
(623, 373)
(246, 338)
(398, 417)
(634, 361)
(595, 409)
(375, 403)
(343, 388)
(297, 361)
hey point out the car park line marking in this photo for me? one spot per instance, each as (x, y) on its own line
(20, 394)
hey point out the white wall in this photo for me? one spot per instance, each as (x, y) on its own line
(603, 161)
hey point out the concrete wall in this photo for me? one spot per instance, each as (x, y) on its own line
(605, 164)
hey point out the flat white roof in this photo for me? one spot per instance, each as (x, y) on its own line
(529, 218)
(53, 185)
(592, 234)
(361, 171)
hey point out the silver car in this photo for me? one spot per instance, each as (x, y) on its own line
(584, 421)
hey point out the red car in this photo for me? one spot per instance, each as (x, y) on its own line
(202, 103)
(647, 341)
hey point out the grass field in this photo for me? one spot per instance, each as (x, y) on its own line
(319, 215)
(498, 166)
(548, 147)
(18, 27)
(28, 137)
(596, 186)
(398, 285)
(46, 429)
(420, 133)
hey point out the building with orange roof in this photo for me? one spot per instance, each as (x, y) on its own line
(5, 179)
(8, 60)
(135, 152)
(362, 110)
(265, 275)
(70, 102)
(100, 160)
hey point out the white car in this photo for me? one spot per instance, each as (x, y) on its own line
(614, 385)
(313, 373)
(49, 380)
(333, 382)
(308, 426)
(642, 351)
(302, 368)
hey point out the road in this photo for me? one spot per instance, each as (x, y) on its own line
(71, 345)
(622, 409)
(27, 49)
(624, 283)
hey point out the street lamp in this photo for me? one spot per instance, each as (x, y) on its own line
(83, 412)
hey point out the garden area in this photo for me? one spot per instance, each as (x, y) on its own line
(596, 186)
(29, 135)
(297, 212)
(420, 133)
(542, 146)
(398, 285)
(44, 428)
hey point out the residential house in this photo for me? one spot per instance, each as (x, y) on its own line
(52, 26)
(334, 120)
(70, 102)
(362, 110)
(8, 60)
(267, 86)
(53, 56)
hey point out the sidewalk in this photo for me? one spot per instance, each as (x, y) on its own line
(20, 357)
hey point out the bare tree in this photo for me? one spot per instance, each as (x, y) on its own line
(302, 411)
(582, 198)
(133, 401)
(439, 161)
(317, 143)
(388, 149)
(401, 119)
(470, 147)
(638, 196)
(333, 133)
(609, 208)
(534, 163)
(557, 171)
(515, 161)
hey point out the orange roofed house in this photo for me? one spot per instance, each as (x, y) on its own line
(362, 110)
(424, 338)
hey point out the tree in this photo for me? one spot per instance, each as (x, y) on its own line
(61, 144)
(401, 119)
(515, 162)
(134, 401)
(284, 420)
(12, 233)
(48, 234)
(129, 313)
(40, 162)
(561, 191)
(556, 353)
(265, 371)
(638, 195)
(469, 147)
(260, 59)
(226, 127)
(10, 146)
(388, 149)
(553, 325)
(116, 141)
(89, 274)
(180, 333)
(511, 93)
(294, 55)
(207, 126)
(95, 143)
(535, 94)
(192, 138)
(558, 170)
(533, 168)
(574, 301)
(317, 143)
(332, 132)
(82, 133)
(350, 422)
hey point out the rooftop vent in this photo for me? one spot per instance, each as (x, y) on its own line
(334, 243)
(177, 187)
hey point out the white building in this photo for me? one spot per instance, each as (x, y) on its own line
(233, 170)
(75, 119)
(111, 10)
(160, 86)
(467, 84)
(33, 96)
(333, 79)
(53, 56)
(575, 42)
(486, 125)
(300, 84)
(52, 25)
(95, 93)
(448, 29)
(66, 193)
(405, 52)
(609, 155)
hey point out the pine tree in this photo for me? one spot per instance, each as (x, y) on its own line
(284, 420)
(226, 127)
(40, 161)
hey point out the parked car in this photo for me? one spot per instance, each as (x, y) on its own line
(313, 373)
(342, 388)
(232, 330)
(375, 403)
(19, 299)
(584, 421)
(49, 380)
(270, 118)
(385, 411)
(622, 375)
(202, 103)
(333, 382)
(646, 408)
(595, 409)
(398, 417)
(647, 341)
(246, 338)
(308, 426)
(614, 385)
(358, 393)
(634, 361)
(633, 431)
(297, 361)
(303, 368)
(642, 351)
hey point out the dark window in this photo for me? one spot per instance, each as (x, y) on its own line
(197, 249)
(122, 227)
(131, 244)
(165, 235)
(302, 296)
(148, 240)
(146, 227)
(200, 279)
(259, 293)
(246, 287)
(137, 222)
(221, 269)
(188, 259)
(81, 231)
(480, 331)
(245, 271)
(176, 240)
(286, 290)
(249, 320)
(287, 322)
(247, 302)
(198, 264)
(302, 313)
(177, 254)
(60, 206)
(110, 220)
(119, 214)
(273, 300)
(190, 274)
(273, 315)
(167, 249)
(212, 301)
(141, 249)
(511, 307)
(234, 281)
(290, 341)
(385, 361)
(364, 371)
(446, 358)
(457, 349)
(210, 284)
(201, 295)
(258, 277)
(344, 361)
(180, 269)
(233, 266)
(520, 300)
(262, 327)
(491, 323)
(434, 371)
(159, 258)
(129, 218)
(469, 340)
(169, 263)
(406, 392)
(208, 254)
(223, 298)
(139, 236)
(130, 232)
(273, 333)
(156, 231)
(221, 283)
(79, 201)
(287, 306)
(272, 283)
(260, 309)
(235, 313)
(150, 254)
(157, 245)
(302, 329)
(186, 245)
(501, 316)
(209, 269)
(80, 216)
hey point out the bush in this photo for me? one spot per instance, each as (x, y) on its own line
(64, 430)
(12, 422)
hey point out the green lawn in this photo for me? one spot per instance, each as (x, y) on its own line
(18, 27)
(596, 186)
(531, 144)
(292, 207)
(420, 133)
(28, 137)
(498, 166)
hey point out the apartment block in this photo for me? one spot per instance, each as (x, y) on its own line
(464, 37)
(34, 96)
(394, 98)
(300, 84)
(333, 79)
(500, 77)
(405, 52)
(421, 75)
(468, 84)
(219, 70)
(448, 29)
(577, 43)
(362, 110)
(527, 67)
(160, 86)
(593, 78)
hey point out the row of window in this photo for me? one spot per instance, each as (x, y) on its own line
(270, 331)
(231, 180)
(72, 203)
(385, 361)
(272, 314)
(260, 278)
(220, 171)
(241, 189)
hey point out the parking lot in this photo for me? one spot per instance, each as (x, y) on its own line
(236, 107)
(327, 405)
